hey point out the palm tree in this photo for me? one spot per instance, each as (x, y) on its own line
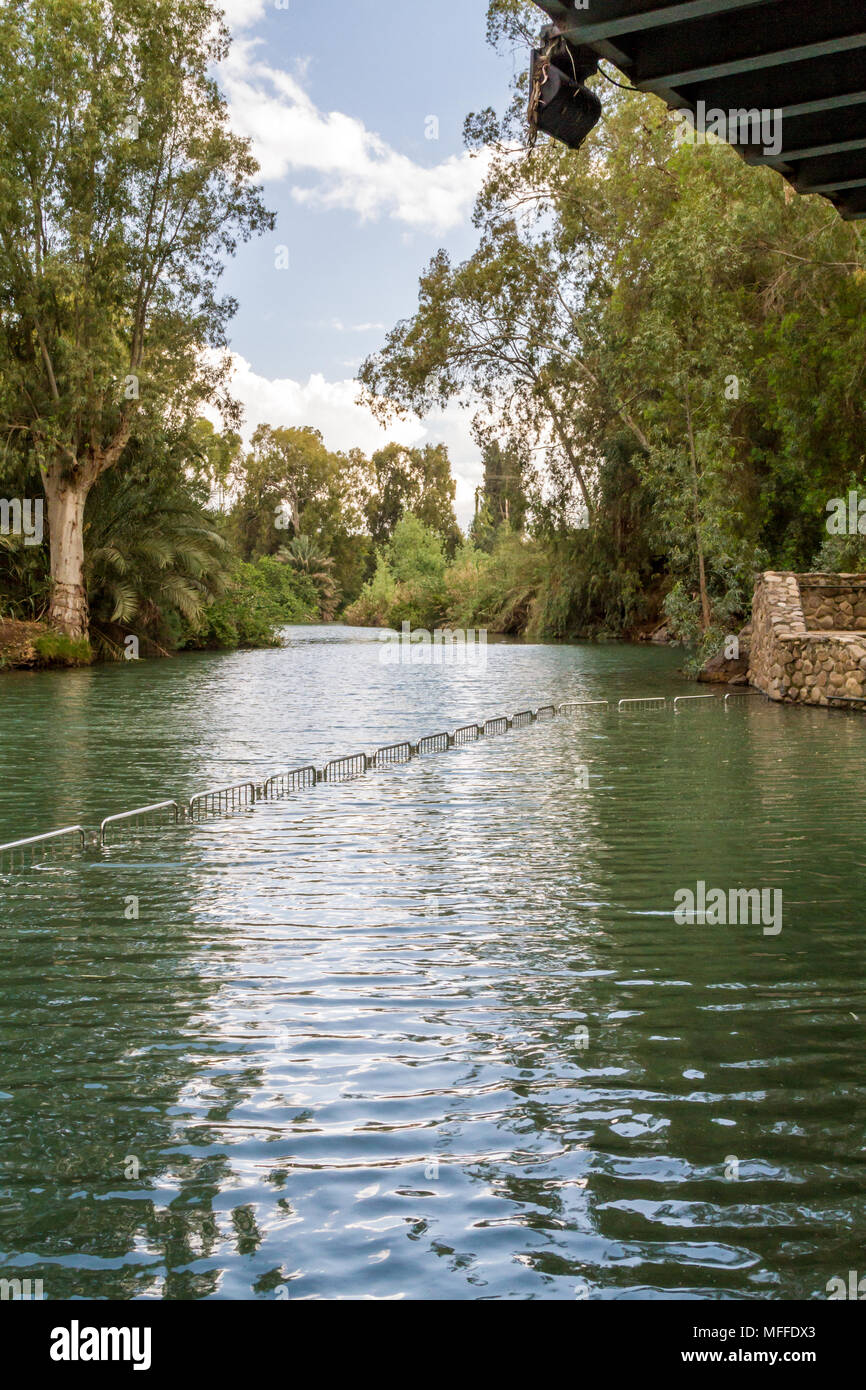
(305, 555)
(153, 561)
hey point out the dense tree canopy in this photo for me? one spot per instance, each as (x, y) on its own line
(654, 301)
(122, 189)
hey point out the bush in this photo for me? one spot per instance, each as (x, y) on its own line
(415, 553)
(408, 584)
(373, 606)
(263, 596)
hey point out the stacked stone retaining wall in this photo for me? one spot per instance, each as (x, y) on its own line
(809, 637)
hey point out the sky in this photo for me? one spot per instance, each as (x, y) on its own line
(356, 112)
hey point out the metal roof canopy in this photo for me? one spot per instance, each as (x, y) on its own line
(805, 58)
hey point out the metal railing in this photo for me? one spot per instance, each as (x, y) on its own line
(468, 734)
(286, 783)
(242, 795)
(222, 800)
(56, 841)
(435, 743)
(143, 818)
(394, 753)
(496, 726)
(347, 769)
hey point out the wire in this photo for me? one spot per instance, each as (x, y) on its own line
(614, 81)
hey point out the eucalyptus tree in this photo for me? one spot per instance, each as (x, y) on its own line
(499, 333)
(290, 484)
(419, 480)
(122, 190)
(726, 318)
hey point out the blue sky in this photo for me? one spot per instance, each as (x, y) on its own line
(338, 101)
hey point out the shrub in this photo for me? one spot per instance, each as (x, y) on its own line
(373, 606)
(263, 596)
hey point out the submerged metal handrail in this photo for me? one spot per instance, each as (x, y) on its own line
(469, 733)
(499, 725)
(35, 841)
(245, 794)
(137, 814)
(242, 794)
(435, 743)
(346, 769)
(393, 753)
(284, 783)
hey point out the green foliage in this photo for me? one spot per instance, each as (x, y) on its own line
(154, 561)
(309, 559)
(374, 605)
(415, 552)
(682, 348)
(841, 554)
(262, 596)
(54, 649)
(24, 578)
(408, 583)
(502, 495)
(122, 190)
(406, 480)
(666, 353)
(292, 486)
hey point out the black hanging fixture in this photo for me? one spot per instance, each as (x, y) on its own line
(559, 103)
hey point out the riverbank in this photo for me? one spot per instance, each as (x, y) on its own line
(36, 647)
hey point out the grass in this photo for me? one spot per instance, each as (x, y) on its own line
(33, 646)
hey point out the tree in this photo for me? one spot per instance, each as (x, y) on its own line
(412, 480)
(292, 485)
(122, 188)
(502, 490)
(652, 313)
(308, 558)
(154, 561)
(216, 459)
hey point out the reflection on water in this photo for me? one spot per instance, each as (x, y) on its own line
(434, 1033)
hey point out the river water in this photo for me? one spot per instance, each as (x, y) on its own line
(436, 1033)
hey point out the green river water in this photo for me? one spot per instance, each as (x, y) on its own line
(436, 1033)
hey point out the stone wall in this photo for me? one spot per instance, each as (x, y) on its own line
(833, 602)
(809, 637)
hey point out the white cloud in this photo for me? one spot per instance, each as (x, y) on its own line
(332, 407)
(241, 13)
(349, 167)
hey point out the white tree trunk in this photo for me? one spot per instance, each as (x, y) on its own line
(68, 607)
